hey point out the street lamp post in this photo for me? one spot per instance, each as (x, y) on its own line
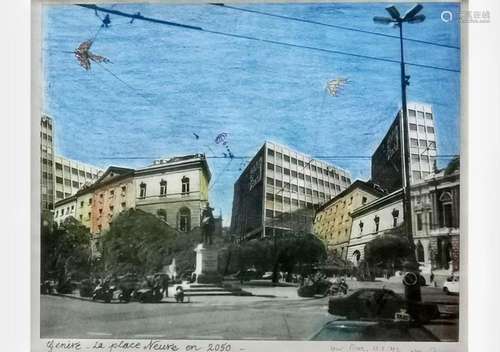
(411, 16)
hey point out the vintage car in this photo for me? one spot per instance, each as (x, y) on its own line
(372, 330)
(452, 285)
(379, 303)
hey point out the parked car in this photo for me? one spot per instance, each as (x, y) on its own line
(246, 275)
(370, 330)
(318, 287)
(373, 303)
(103, 293)
(268, 275)
(86, 288)
(452, 285)
(148, 295)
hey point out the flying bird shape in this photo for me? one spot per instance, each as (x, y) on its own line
(84, 55)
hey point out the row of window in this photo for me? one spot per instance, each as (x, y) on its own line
(302, 190)
(46, 136)
(61, 195)
(68, 182)
(75, 171)
(47, 124)
(185, 187)
(420, 114)
(422, 143)
(424, 158)
(278, 157)
(420, 175)
(66, 211)
(295, 188)
(287, 200)
(301, 176)
(284, 216)
(376, 220)
(421, 128)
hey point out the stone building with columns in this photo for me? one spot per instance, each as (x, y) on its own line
(436, 219)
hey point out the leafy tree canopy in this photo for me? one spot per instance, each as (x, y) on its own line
(387, 250)
(137, 242)
(65, 250)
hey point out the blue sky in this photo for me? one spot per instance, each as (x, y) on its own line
(167, 83)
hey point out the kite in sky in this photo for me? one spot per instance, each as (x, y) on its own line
(333, 86)
(84, 56)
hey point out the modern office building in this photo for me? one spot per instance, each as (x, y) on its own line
(332, 223)
(46, 163)
(279, 190)
(59, 177)
(71, 175)
(387, 159)
(174, 189)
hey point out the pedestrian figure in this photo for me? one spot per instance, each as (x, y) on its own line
(164, 285)
(179, 294)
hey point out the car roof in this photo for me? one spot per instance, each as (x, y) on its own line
(370, 290)
(353, 323)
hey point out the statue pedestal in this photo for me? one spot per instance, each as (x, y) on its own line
(206, 265)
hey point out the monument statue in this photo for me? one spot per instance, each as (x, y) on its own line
(207, 225)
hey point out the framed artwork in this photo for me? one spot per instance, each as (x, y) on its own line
(249, 176)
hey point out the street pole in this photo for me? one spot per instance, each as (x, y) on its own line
(406, 152)
(412, 277)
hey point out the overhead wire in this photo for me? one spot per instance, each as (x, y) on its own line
(332, 25)
(268, 41)
(326, 157)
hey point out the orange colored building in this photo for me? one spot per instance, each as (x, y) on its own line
(113, 193)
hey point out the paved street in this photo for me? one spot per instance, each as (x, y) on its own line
(285, 317)
(265, 319)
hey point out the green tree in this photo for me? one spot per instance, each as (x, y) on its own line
(387, 251)
(137, 242)
(300, 249)
(65, 250)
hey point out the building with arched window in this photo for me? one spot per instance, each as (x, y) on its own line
(381, 216)
(436, 219)
(332, 222)
(174, 189)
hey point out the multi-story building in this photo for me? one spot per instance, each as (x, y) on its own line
(83, 211)
(279, 189)
(174, 189)
(387, 159)
(46, 163)
(436, 220)
(59, 177)
(65, 208)
(112, 193)
(374, 219)
(332, 223)
(71, 175)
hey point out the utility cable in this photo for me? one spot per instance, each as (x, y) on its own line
(268, 41)
(332, 25)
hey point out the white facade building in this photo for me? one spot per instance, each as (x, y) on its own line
(71, 175)
(422, 140)
(64, 209)
(174, 189)
(373, 220)
(46, 163)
